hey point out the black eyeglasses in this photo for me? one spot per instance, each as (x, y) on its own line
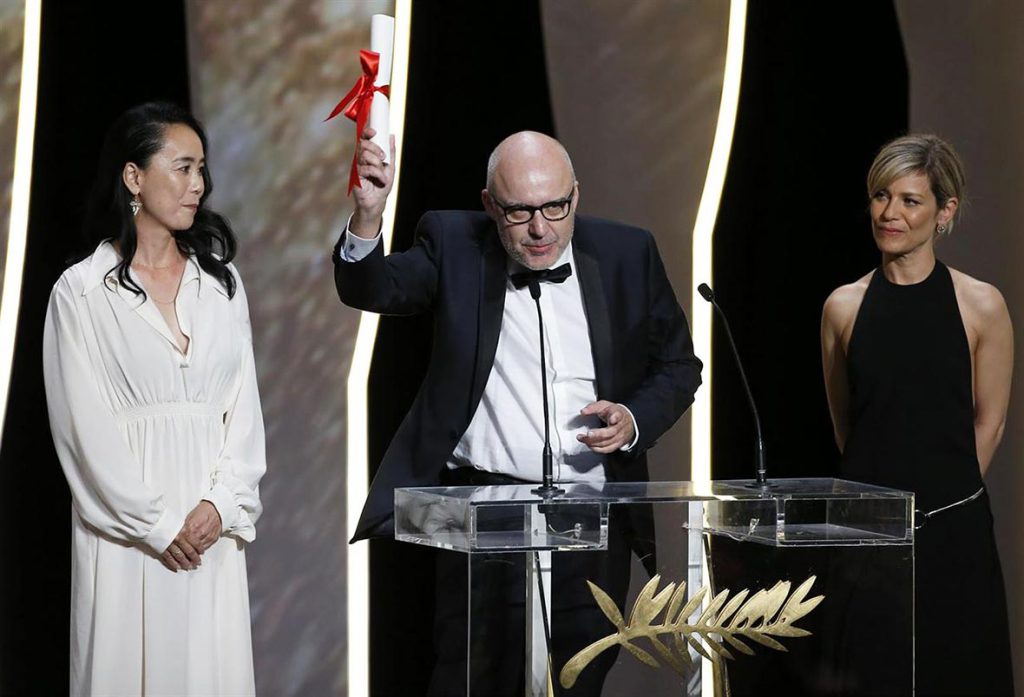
(522, 213)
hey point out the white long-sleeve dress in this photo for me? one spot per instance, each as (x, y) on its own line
(143, 433)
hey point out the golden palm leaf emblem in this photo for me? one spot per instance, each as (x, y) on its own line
(724, 623)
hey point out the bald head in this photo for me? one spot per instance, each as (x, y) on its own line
(531, 196)
(524, 151)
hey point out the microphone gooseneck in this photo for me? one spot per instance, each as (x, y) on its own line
(547, 489)
(761, 469)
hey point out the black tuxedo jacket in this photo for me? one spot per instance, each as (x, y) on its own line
(643, 354)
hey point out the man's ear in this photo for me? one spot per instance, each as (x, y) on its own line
(130, 175)
(485, 198)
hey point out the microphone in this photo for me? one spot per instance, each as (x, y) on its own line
(547, 489)
(762, 474)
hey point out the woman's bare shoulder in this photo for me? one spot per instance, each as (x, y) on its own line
(978, 298)
(843, 303)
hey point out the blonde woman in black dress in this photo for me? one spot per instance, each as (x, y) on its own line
(918, 359)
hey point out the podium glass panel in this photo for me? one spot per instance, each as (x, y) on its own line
(669, 588)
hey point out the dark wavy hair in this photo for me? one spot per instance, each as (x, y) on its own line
(136, 136)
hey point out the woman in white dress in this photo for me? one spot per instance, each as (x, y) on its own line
(156, 419)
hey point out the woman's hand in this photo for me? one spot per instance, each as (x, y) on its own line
(181, 555)
(202, 526)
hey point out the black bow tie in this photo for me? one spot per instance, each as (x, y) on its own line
(555, 275)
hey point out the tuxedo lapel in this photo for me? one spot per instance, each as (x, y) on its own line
(490, 309)
(592, 288)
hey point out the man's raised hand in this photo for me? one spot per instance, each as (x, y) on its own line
(375, 181)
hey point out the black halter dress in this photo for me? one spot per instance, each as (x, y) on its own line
(912, 428)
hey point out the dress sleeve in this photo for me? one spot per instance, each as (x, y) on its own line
(243, 460)
(102, 472)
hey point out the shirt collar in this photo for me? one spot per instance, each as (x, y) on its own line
(101, 264)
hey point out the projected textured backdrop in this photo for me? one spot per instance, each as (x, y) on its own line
(12, 19)
(264, 76)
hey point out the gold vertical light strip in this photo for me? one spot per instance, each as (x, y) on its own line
(21, 190)
(357, 483)
(703, 232)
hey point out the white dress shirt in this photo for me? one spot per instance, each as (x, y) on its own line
(506, 433)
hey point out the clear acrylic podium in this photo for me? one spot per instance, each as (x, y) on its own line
(673, 588)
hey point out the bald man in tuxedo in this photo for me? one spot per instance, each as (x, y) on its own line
(620, 362)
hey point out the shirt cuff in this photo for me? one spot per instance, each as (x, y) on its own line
(224, 501)
(355, 248)
(636, 431)
(163, 533)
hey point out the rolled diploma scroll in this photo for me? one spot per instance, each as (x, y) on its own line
(382, 41)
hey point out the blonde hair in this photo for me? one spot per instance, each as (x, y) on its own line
(925, 154)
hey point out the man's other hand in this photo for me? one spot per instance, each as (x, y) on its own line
(618, 432)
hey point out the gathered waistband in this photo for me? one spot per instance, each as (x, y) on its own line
(170, 409)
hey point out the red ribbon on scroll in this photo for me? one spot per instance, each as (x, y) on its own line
(356, 104)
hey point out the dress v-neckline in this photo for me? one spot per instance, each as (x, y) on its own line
(152, 314)
(171, 329)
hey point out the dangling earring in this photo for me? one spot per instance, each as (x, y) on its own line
(136, 205)
(941, 229)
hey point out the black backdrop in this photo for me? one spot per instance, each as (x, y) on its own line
(819, 96)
